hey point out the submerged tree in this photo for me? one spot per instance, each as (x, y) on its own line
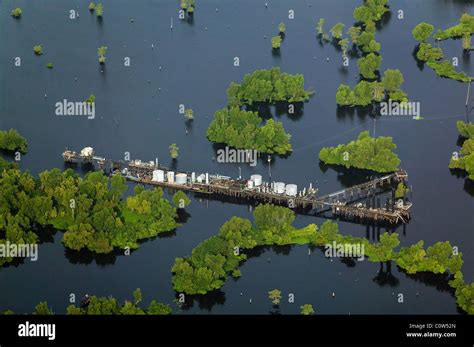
(189, 114)
(38, 49)
(336, 30)
(99, 10)
(282, 27)
(91, 7)
(180, 199)
(16, 13)
(307, 309)
(320, 26)
(174, 150)
(101, 52)
(275, 296)
(276, 42)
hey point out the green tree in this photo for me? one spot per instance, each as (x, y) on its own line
(180, 199)
(422, 32)
(102, 50)
(189, 114)
(91, 6)
(137, 295)
(320, 26)
(368, 65)
(392, 80)
(174, 150)
(38, 49)
(336, 30)
(281, 27)
(354, 33)
(99, 10)
(275, 296)
(307, 309)
(156, 308)
(276, 42)
(16, 13)
(43, 309)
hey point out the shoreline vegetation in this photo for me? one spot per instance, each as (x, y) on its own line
(94, 305)
(11, 140)
(465, 161)
(215, 259)
(89, 210)
(366, 152)
(242, 129)
(433, 57)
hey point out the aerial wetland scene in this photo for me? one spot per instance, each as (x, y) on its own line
(305, 157)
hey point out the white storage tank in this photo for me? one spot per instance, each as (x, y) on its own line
(170, 176)
(158, 176)
(193, 177)
(279, 187)
(291, 189)
(181, 178)
(250, 184)
(257, 180)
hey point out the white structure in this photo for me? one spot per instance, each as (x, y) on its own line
(158, 176)
(257, 180)
(291, 189)
(181, 178)
(201, 178)
(279, 187)
(207, 178)
(250, 184)
(170, 175)
(87, 152)
(193, 177)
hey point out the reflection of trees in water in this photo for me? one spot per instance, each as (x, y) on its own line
(419, 63)
(468, 183)
(438, 281)
(264, 109)
(362, 112)
(385, 277)
(205, 302)
(183, 217)
(86, 257)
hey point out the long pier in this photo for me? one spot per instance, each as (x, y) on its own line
(363, 202)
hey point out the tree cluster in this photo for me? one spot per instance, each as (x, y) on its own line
(241, 129)
(11, 140)
(270, 85)
(465, 161)
(366, 152)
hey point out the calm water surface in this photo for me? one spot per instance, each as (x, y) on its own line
(134, 115)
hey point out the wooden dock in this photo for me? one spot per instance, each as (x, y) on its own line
(362, 202)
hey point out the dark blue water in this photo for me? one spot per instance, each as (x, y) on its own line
(134, 116)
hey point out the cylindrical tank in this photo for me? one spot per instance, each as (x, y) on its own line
(201, 178)
(170, 175)
(257, 180)
(193, 177)
(158, 176)
(291, 189)
(250, 184)
(207, 178)
(279, 187)
(181, 178)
